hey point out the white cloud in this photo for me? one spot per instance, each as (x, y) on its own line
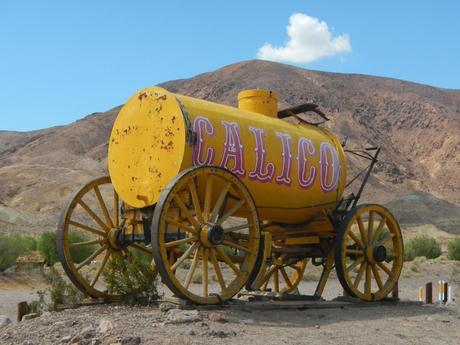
(309, 40)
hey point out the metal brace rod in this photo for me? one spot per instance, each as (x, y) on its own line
(366, 177)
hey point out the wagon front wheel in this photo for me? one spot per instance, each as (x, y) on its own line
(205, 235)
(369, 252)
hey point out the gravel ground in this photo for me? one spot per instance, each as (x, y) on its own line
(120, 324)
(142, 325)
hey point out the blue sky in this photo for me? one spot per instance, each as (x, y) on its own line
(61, 60)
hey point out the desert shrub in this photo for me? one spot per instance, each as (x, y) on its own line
(12, 246)
(59, 291)
(47, 247)
(421, 246)
(132, 278)
(453, 249)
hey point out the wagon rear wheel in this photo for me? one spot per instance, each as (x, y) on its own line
(87, 237)
(369, 252)
(283, 275)
(205, 235)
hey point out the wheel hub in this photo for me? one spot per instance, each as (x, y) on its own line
(215, 235)
(379, 253)
(115, 238)
(212, 235)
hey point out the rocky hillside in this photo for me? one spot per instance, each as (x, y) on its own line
(418, 127)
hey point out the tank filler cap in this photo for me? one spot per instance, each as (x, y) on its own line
(259, 101)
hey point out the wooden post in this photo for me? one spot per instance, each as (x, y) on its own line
(429, 293)
(446, 288)
(395, 292)
(23, 309)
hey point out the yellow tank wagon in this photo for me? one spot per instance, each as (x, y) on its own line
(226, 198)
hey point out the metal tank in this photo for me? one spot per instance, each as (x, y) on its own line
(293, 171)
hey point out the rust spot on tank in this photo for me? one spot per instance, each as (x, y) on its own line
(161, 98)
(142, 96)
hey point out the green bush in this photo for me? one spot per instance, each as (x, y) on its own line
(421, 246)
(453, 249)
(47, 247)
(12, 246)
(132, 277)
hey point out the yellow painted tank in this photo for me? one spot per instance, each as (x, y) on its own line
(292, 171)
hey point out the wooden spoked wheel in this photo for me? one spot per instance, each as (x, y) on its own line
(369, 252)
(283, 275)
(205, 235)
(87, 237)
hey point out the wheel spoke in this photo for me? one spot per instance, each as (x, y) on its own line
(377, 277)
(276, 281)
(140, 248)
(219, 203)
(192, 268)
(180, 225)
(237, 246)
(267, 276)
(384, 268)
(207, 198)
(103, 206)
(195, 201)
(101, 268)
(379, 230)
(93, 215)
(184, 256)
(265, 285)
(87, 228)
(116, 210)
(179, 242)
(355, 238)
(370, 226)
(205, 272)
(362, 231)
(367, 284)
(227, 260)
(236, 228)
(285, 276)
(354, 264)
(360, 274)
(354, 251)
(84, 244)
(231, 212)
(218, 271)
(185, 210)
(91, 257)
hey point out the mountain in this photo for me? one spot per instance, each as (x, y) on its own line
(417, 126)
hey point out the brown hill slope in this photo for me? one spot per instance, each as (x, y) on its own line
(418, 127)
